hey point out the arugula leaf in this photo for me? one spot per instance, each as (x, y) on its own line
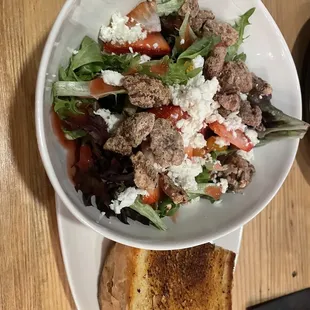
(148, 212)
(204, 176)
(120, 63)
(85, 64)
(232, 51)
(66, 107)
(186, 36)
(166, 7)
(176, 73)
(202, 47)
(179, 74)
(88, 72)
(75, 134)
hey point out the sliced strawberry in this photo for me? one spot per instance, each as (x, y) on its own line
(169, 112)
(237, 137)
(153, 45)
(152, 197)
(146, 15)
(214, 191)
(98, 88)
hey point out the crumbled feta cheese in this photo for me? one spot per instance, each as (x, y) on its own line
(112, 77)
(243, 96)
(221, 142)
(130, 49)
(232, 122)
(252, 135)
(144, 58)
(75, 52)
(195, 98)
(184, 175)
(155, 45)
(126, 199)
(112, 120)
(182, 41)
(198, 141)
(119, 32)
(198, 62)
(224, 185)
(249, 156)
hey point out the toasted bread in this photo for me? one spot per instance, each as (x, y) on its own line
(198, 278)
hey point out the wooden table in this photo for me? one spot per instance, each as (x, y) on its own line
(275, 253)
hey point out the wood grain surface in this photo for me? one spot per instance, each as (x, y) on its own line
(275, 253)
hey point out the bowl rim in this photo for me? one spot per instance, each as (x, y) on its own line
(119, 237)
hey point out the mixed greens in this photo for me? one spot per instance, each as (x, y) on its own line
(89, 108)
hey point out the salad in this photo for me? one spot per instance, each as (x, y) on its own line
(162, 110)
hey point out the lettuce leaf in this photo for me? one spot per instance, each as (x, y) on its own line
(167, 7)
(167, 207)
(201, 191)
(186, 34)
(177, 73)
(278, 125)
(120, 63)
(240, 25)
(66, 107)
(88, 62)
(204, 176)
(75, 134)
(148, 212)
(85, 64)
(181, 71)
(78, 89)
(202, 47)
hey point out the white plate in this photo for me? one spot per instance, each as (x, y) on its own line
(83, 252)
(268, 56)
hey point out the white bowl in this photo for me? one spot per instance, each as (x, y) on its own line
(268, 56)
